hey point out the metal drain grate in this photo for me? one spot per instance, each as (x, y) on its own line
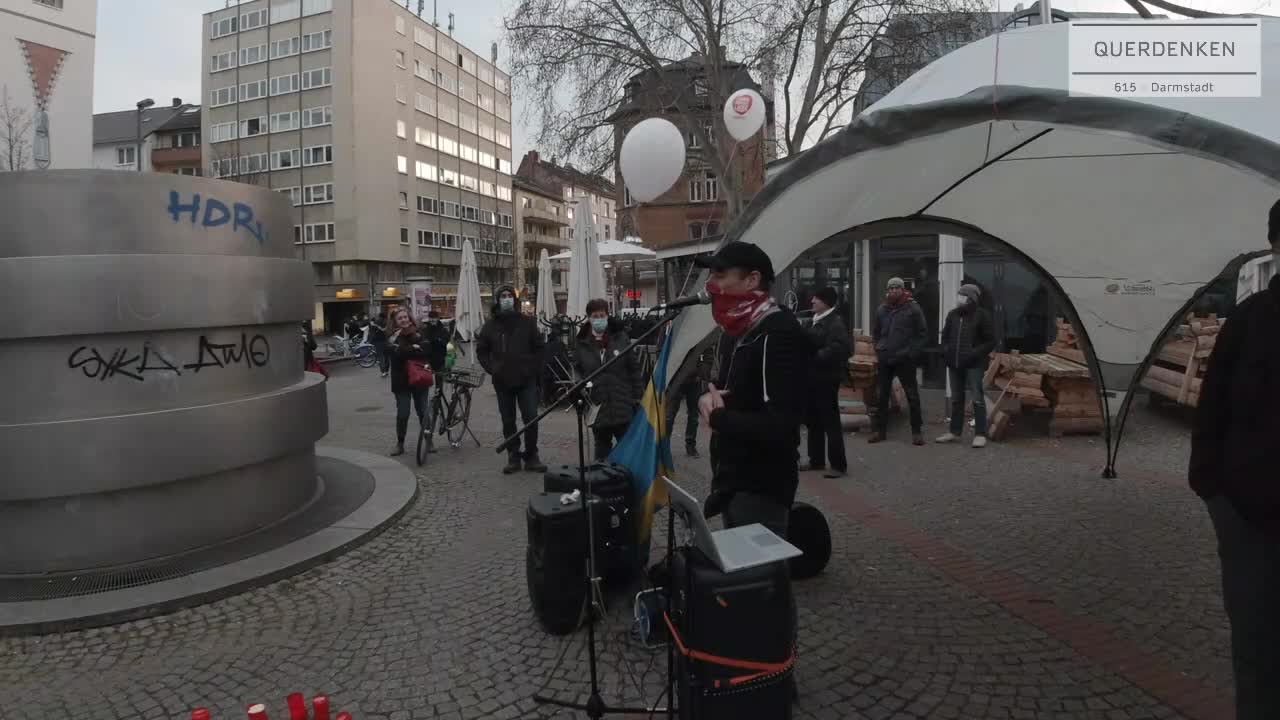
(346, 488)
(368, 409)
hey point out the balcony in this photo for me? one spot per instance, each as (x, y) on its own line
(175, 157)
(553, 243)
(539, 214)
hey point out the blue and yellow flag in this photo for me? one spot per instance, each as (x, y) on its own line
(645, 450)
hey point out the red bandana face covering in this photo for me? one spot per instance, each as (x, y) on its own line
(736, 312)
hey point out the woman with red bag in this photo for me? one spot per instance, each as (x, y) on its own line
(410, 374)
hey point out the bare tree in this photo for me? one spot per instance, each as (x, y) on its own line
(15, 128)
(496, 268)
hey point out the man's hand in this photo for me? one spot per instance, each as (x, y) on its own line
(708, 403)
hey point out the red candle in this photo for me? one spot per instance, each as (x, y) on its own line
(320, 704)
(297, 706)
(258, 712)
(343, 716)
(199, 714)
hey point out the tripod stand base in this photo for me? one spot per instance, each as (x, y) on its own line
(595, 707)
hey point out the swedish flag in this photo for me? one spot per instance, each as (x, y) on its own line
(645, 449)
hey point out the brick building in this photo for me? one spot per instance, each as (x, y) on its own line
(693, 209)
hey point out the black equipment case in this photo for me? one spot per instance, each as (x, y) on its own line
(556, 562)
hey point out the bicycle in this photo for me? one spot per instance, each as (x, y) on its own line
(451, 415)
(364, 353)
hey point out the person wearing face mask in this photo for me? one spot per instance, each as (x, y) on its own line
(1234, 470)
(833, 345)
(899, 332)
(756, 400)
(617, 391)
(510, 349)
(968, 338)
(405, 343)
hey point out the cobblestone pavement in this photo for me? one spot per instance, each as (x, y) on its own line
(1010, 582)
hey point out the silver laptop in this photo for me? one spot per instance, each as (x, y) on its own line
(733, 549)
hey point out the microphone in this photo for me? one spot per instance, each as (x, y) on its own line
(701, 298)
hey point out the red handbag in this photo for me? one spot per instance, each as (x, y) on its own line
(420, 375)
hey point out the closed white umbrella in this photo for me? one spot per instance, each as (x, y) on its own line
(546, 293)
(469, 316)
(586, 275)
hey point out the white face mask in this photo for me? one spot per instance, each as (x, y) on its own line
(962, 300)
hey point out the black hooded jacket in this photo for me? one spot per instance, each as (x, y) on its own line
(1233, 445)
(968, 337)
(756, 434)
(510, 348)
(618, 389)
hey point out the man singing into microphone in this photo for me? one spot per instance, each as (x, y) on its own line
(755, 402)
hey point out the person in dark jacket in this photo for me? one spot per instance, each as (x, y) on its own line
(510, 349)
(832, 346)
(308, 346)
(899, 331)
(617, 391)
(755, 404)
(1234, 469)
(968, 337)
(437, 336)
(378, 339)
(687, 393)
(406, 343)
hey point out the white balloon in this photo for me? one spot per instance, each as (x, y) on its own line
(652, 158)
(744, 114)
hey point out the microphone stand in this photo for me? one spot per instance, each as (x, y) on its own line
(595, 706)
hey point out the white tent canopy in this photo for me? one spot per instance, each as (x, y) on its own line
(1128, 207)
(615, 250)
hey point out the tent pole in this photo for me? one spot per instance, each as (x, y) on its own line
(1046, 13)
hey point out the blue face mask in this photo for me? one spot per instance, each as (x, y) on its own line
(506, 303)
(599, 325)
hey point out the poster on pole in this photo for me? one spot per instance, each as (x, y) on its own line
(420, 297)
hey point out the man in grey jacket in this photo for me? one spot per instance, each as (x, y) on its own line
(900, 332)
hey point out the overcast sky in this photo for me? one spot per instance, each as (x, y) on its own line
(151, 48)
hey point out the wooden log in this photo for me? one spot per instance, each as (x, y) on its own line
(1077, 411)
(1028, 380)
(1067, 353)
(998, 426)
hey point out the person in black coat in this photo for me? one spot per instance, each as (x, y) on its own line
(968, 337)
(832, 347)
(406, 343)
(378, 339)
(437, 336)
(900, 333)
(617, 391)
(687, 394)
(1234, 470)
(308, 346)
(510, 348)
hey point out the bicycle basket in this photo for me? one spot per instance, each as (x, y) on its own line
(472, 377)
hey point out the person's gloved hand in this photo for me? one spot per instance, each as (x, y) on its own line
(716, 503)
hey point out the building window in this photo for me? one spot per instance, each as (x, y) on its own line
(502, 138)
(404, 231)
(319, 232)
(317, 155)
(282, 84)
(284, 122)
(404, 200)
(704, 187)
(253, 127)
(253, 55)
(504, 193)
(285, 159)
(424, 137)
(282, 10)
(450, 209)
(186, 139)
(56, 4)
(426, 171)
(399, 56)
(314, 117)
(449, 241)
(222, 61)
(318, 40)
(127, 155)
(193, 172)
(254, 163)
(294, 193)
(428, 205)
(255, 19)
(285, 48)
(606, 231)
(253, 90)
(222, 132)
(402, 164)
(222, 96)
(400, 29)
(317, 194)
(424, 104)
(400, 96)
(428, 238)
(225, 26)
(311, 7)
(318, 78)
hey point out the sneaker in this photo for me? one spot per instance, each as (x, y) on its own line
(808, 466)
(384, 374)
(979, 441)
(533, 464)
(876, 437)
(947, 438)
(917, 439)
(832, 474)
(397, 450)
(692, 451)
(513, 464)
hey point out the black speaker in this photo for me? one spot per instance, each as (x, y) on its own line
(556, 562)
(742, 616)
(807, 529)
(613, 496)
(608, 480)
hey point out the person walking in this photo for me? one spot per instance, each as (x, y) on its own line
(899, 332)
(830, 340)
(404, 344)
(378, 339)
(1233, 469)
(510, 349)
(968, 337)
(308, 346)
(687, 393)
(618, 389)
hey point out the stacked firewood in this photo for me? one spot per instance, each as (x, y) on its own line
(1035, 382)
(1179, 367)
(1067, 345)
(862, 370)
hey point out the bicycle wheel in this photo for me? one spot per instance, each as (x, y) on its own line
(459, 415)
(367, 359)
(424, 439)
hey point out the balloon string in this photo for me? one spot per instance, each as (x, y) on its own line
(711, 210)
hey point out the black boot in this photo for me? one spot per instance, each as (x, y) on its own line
(513, 464)
(402, 427)
(533, 464)
(398, 449)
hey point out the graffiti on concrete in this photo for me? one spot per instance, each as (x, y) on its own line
(250, 351)
(216, 213)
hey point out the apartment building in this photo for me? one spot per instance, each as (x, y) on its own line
(391, 140)
(574, 184)
(46, 82)
(168, 137)
(542, 223)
